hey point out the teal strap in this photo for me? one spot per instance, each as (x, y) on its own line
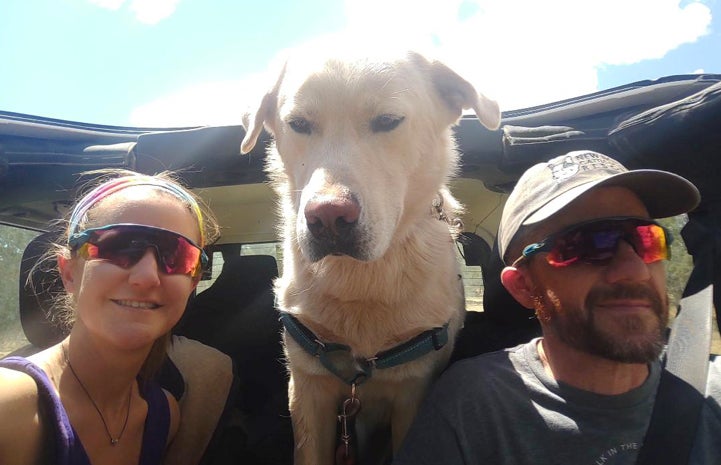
(427, 341)
(338, 359)
(305, 337)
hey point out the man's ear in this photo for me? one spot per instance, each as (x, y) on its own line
(68, 274)
(518, 285)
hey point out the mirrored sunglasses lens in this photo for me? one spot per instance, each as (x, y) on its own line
(124, 258)
(124, 246)
(591, 245)
(584, 245)
(651, 244)
(180, 258)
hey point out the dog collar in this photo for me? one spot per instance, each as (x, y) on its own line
(338, 359)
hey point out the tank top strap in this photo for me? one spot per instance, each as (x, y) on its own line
(157, 424)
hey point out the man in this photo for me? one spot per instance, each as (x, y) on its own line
(582, 250)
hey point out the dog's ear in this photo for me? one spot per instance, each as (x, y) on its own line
(257, 117)
(253, 121)
(460, 94)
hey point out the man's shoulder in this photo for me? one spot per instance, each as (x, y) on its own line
(489, 379)
(501, 360)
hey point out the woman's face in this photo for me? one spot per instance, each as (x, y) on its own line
(131, 307)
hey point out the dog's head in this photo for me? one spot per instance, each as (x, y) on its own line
(362, 147)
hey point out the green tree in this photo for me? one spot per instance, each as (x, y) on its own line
(679, 267)
(13, 241)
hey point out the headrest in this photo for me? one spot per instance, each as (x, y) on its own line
(247, 270)
(37, 294)
(497, 301)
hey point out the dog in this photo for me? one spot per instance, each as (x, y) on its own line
(370, 292)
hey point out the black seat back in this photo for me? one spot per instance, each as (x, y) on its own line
(502, 323)
(39, 286)
(237, 315)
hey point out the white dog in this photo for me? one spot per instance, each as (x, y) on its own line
(370, 290)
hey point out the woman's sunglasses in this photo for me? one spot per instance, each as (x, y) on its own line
(595, 242)
(125, 244)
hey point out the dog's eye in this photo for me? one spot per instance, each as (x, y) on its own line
(300, 125)
(386, 123)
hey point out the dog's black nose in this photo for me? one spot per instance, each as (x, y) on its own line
(330, 217)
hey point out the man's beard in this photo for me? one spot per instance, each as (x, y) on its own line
(632, 338)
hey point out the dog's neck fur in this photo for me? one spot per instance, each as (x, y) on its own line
(348, 293)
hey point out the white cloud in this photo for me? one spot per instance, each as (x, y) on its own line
(519, 52)
(153, 11)
(146, 11)
(527, 52)
(213, 103)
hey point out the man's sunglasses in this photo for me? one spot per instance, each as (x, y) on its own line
(125, 244)
(596, 241)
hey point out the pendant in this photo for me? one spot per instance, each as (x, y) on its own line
(113, 441)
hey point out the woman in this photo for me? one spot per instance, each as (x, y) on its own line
(130, 259)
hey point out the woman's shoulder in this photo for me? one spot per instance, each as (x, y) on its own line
(20, 439)
(21, 375)
(18, 400)
(16, 386)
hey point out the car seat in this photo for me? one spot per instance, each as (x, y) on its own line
(39, 284)
(200, 377)
(237, 315)
(503, 322)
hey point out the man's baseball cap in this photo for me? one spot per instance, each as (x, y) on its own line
(546, 188)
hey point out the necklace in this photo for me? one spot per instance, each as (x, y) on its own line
(113, 441)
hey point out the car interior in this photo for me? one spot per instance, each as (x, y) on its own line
(670, 123)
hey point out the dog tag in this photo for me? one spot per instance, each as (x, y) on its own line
(345, 453)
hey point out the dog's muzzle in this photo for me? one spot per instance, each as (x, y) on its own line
(333, 226)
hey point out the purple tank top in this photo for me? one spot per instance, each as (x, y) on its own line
(68, 448)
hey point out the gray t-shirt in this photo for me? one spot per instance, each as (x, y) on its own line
(502, 408)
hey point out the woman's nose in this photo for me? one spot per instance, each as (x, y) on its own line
(146, 271)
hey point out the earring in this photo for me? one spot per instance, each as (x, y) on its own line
(539, 307)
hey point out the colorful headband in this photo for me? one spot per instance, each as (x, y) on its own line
(110, 187)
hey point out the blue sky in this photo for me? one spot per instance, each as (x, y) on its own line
(194, 62)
